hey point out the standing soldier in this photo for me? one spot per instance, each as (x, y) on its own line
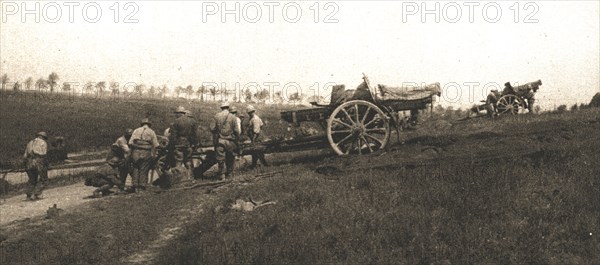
(225, 132)
(254, 130)
(36, 164)
(143, 143)
(120, 155)
(182, 137)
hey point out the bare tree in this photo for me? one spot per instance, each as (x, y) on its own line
(200, 93)
(52, 81)
(151, 92)
(214, 91)
(138, 90)
(100, 86)
(189, 90)
(262, 95)
(17, 86)
(114, 88)
(5, 80)
(28, 83)
(164, 90)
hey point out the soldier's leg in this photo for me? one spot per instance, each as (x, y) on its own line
(145, 165)
(261, 157)
(103, 187)
(42, 179)
(207, 163)
(32, 176)
(178, 153)
(229, 163)
(135, 169)
(530, 103)
(123, 172)
(220, 155)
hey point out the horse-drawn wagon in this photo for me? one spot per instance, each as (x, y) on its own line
(362, 123)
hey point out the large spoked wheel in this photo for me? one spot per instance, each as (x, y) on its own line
(357, 127)
(509, 104)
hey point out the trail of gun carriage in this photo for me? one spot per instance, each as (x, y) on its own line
(377, 175)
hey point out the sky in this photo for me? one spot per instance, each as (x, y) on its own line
(394, 42)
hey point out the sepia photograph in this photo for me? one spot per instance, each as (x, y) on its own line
(299, 132)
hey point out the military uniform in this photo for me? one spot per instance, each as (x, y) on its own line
(143, 142)
(253, 130)
(491, 102)
(182, 137)
(225, 134)
(120, 153)
(106, 177)
(36, 165)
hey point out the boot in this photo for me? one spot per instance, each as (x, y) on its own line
(221, 174)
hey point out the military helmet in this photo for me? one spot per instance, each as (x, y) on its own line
(146, 121)
(224, 104)
(42, 134)
(128, 132)
(250, 108)
(180, 109)
(233, 110)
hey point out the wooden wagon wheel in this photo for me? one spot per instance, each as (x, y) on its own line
(357, 127)
(509, 104)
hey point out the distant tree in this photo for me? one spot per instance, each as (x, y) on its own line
(178, 91)
(262, 95)
(213, 92)
(164, 90)
(295, 97)
(100, 86)
(17, 86)
(114, 88)
(28, 83)
(152, 91)
(537, 109)
(248, 95)
(41, 83)
(575, 107)
(5, 80)
(582, 106)
(66, 87)
(88, 87)
(277, 97)
(562, 108)
(200, 93)
(189, 90)
(138, 90)
(52, 81)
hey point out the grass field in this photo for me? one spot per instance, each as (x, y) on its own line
(517, 190)
(93, 123)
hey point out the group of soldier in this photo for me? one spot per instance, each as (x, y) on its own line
(135, 153)
(525, 92)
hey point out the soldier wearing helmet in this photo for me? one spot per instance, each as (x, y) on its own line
(36, 165)
(225, 130)
(182, 137)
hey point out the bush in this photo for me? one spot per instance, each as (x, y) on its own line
(595, 103)
(561, 108)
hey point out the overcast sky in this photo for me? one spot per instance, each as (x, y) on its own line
(181, 43)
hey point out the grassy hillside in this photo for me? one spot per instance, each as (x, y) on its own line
(92, 123)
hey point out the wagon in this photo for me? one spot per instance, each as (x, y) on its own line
(363, 125)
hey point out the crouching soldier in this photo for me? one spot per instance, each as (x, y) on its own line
(121, 152)
(106, 178)
(491, 103)
(36, 164)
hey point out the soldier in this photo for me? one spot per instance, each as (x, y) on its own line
(225, 134)
(491, 102)
(253, 131)
(121, 152)
(36, 165)
(182, 137)
(106, 178)
(143, 144)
